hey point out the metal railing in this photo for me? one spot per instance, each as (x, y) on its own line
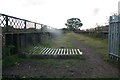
(114, 36)
(10, 23)
(22, 33)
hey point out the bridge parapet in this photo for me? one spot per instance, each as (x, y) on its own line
(12, 24)
(19, 33)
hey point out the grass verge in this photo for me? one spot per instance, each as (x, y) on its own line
(100, 45)
(58, 42)
(11, 61)
(62, 41)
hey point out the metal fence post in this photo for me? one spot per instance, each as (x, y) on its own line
(35, 25)
(6, 25)
(25, 25)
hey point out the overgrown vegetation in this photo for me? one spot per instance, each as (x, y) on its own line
(7, 50)
(11, 61)
(58, 42)
(8, 58)
(100, 45)
(61, 42)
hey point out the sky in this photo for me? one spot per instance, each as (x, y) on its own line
(55, 13)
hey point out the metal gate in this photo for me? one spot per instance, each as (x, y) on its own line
(114, 37)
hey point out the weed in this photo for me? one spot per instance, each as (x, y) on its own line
(11, 60)
(100, 45)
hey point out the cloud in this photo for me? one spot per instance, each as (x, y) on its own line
(96, 11)
(34, 2)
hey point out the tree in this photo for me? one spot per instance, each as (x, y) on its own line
(73, 24)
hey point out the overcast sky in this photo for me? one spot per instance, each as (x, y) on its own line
(56, 12)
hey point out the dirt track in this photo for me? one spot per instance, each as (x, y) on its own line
(95, 64)
(91, 65)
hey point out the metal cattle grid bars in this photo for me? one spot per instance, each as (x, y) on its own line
(55, 51)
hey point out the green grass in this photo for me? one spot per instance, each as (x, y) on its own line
(58, 42)
(100, 45)
(62, 41)
(67, 63)
(30, 48)
(11, 61)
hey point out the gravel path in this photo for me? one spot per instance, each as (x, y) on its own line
(90, 65)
